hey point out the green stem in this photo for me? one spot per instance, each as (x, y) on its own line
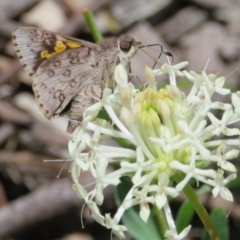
(161, 220)
(91, 23)
(199, 208)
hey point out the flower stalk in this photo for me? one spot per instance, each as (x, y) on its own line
(199, 208)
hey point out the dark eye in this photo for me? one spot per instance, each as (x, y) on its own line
(125, 45)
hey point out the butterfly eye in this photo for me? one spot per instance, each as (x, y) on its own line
(125, 45)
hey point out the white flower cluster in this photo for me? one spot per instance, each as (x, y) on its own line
(168, 132)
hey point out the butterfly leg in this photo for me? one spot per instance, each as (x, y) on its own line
(107, 77)
(131, 76)
(108, 72)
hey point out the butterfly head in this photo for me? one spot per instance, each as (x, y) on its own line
(128, 47)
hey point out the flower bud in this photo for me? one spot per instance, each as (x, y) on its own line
(163, 108)
(126, 97)
(173, 92)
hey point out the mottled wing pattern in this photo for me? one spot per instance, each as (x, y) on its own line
(29, 43)
(59, 79)
(61, 67)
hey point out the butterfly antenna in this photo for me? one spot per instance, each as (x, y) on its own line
(231, 73)
(168, 54)
(138, 79)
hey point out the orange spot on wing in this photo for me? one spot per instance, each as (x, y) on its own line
(73, 44)
(59, 47)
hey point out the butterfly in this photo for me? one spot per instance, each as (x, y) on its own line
(68, 73)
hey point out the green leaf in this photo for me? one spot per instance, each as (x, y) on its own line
(220, 220)
(184, 216)
(91, 23)
(131, 219)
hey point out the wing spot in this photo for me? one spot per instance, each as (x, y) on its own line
(73, 83)
(58, 93)
(24, 65)
(37, 40)
(31, 74)
(61, 97)
(73, 44)
(67, 73)
(41, 105)
(74, 60)
(38, 32)
(50, 72)
(57, 64)
(73, 54)
(38, 96)
(51, 90)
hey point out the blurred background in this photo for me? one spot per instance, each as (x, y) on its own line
(36, 197)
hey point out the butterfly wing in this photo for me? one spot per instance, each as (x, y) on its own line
(60, 79)
(61, 66)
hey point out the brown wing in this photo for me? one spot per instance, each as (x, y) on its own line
(31, 44)
(60, 78)
(61, 66)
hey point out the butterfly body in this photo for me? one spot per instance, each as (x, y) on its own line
(70, 74)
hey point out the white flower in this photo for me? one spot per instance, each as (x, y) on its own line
(170, 235)
(166, 131)
(220, 187)
(163, 190)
